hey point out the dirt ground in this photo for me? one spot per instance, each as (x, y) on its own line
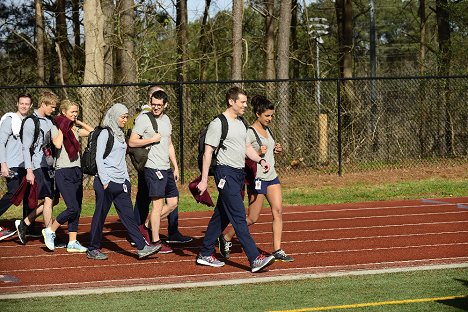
(376, 177)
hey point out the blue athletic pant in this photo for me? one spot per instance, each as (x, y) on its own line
(69, 182)
(12, 185)
(115, 193)
(229, 209)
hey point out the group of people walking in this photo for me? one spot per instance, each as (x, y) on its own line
(35, 173)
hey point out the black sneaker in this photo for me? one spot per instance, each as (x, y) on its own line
(34, 232)
(178, 238)
(21, 229)
(59, 243)
(224, 247)
(280, 255)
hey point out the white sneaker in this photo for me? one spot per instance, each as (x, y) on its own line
(75, 246)
(49, 238)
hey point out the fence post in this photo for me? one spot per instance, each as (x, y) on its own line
(180, 105)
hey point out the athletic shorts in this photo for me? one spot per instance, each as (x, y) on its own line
(252, 187)
(163, 186)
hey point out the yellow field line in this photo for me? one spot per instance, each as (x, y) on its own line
(372, 304)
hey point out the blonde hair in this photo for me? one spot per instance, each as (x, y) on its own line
(66, 104)
(48, 98)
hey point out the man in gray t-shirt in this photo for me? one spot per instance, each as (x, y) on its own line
(159, 176)
(11, 157)
(229, 177)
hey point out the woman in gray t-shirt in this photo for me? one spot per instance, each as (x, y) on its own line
(265, 184)
(68, 176)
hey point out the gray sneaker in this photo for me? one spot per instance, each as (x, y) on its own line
(49, 238)
(210, 261)
(96, 254)
(21, 229)
(148, 250)
(262, 262)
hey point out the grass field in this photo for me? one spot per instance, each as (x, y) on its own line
(436, 290)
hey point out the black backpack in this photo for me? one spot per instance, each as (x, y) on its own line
(37, 131)
(88, 159)
(201, 142)
(139, 155)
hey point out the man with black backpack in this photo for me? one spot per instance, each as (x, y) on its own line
(229, 178)
(38, 159)
(143, 200)
(11, 156)
(159, 178)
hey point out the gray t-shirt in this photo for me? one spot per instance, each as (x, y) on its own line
(269, 155)
(234, 153)
(62, 158)
(11, 149)
(38, 159)
(158, 156)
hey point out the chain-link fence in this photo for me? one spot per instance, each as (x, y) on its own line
(327, 125)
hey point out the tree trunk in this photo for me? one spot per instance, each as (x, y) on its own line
(62, 40)
(94, 21)
(203, 43)
(109, 40)
(182, 44)
(40, 42)
(237, 16)
(294, 42)
(76, 32)
(344, 16)
(424, 112)
(270, 72)
(443, 69)
(284, 34)
(126, 62)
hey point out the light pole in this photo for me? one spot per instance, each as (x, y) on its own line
(317, 28)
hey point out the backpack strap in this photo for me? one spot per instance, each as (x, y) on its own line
(37, 130)
(153, 121)
(224, 131)
(257, 137)
(110, 142)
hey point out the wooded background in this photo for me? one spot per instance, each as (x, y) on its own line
(384, 84)
(49, 42)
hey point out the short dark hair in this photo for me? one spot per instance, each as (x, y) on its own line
(25, 95)
(233, 94)
(260, 104)
(159, 95)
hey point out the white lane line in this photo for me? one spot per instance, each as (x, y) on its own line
(240, 256)
(266, 243)
(287, 210)
(35, 245)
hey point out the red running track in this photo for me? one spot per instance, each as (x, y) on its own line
(326, 238)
